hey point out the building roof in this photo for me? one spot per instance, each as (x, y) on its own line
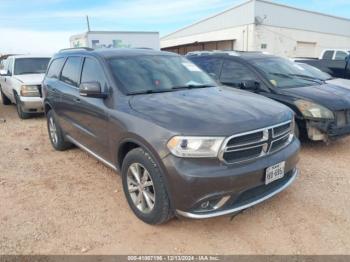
(270, 14)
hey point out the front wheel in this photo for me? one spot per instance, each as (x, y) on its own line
(21, 114)
(296, 130)
(144, 188)
(55, 133)
(4, 99)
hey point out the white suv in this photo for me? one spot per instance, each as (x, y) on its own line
(20, 83)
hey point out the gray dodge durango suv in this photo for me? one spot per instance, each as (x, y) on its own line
(183, 145)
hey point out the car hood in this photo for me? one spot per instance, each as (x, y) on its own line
(340, 82)
(211, 111)
(30, 79)
(331, 96)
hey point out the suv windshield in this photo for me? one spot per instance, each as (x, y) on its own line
(155, 74)
(284, 73)
(31, 65)
(315, 72)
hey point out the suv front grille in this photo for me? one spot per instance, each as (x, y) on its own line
(254, 144)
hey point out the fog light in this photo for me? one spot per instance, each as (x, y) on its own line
(213, 204)
(205, 204)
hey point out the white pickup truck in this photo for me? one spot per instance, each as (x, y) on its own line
(20, 83)
(332, 61)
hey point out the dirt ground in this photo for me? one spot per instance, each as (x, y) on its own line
(68, 203)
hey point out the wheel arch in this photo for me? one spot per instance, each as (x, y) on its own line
(128, 144)
(47, 107)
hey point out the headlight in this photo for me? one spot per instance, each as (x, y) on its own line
(310, 109)
(30, 91)
(192, 146)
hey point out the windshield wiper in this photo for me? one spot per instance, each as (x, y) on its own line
(150, 91)
(306, 77)
(292, 76)
(190, 86)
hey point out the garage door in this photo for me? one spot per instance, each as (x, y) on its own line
(306, 49)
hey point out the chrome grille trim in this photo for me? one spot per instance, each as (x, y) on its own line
(269, 138)
(284, 145)
(283, 132)
(263, 139)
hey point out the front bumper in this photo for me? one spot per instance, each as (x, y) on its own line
(32, 104)
(326, 129)
(246, 202)
(193, 181)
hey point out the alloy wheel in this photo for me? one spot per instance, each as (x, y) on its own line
(53, 131)
(141, 188)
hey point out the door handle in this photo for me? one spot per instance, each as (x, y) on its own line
(77, 100)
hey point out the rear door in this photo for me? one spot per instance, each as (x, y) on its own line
(69, 94)
(51, 85)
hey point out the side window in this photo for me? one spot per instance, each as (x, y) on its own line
(10, 65)
(55, 68)
(71, 71)
(233, 72)
(210, 65)
(340, 55)
(4, 64)
(92, 72)
(328, 55)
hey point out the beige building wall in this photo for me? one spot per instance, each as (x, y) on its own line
(293, 42)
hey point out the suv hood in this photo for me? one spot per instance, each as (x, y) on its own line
(210, 111)
(30, 79)
(340, 82)
(331, 96)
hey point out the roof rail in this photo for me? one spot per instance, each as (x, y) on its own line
(198, 53)
(76, 48)
(143, 48)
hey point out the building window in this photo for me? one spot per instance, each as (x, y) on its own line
(263, 46)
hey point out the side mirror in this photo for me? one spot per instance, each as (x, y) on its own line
(250, 85)
(91, 89)
(4, 72)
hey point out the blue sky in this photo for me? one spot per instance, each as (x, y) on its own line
(56, 20)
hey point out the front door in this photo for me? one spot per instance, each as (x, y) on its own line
(91, 113)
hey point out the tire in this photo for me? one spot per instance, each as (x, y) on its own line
(4, 99)
(156, 193)
(297, 130)
(21, 114)
(55, 133)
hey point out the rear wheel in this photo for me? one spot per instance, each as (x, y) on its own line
(21, 114)
(4, 99)
(55, 133)
(144, 188)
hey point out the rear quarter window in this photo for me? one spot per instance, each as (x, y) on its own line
(55, 68)
(328, 55)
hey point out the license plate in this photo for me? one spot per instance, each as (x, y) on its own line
(274, 173)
